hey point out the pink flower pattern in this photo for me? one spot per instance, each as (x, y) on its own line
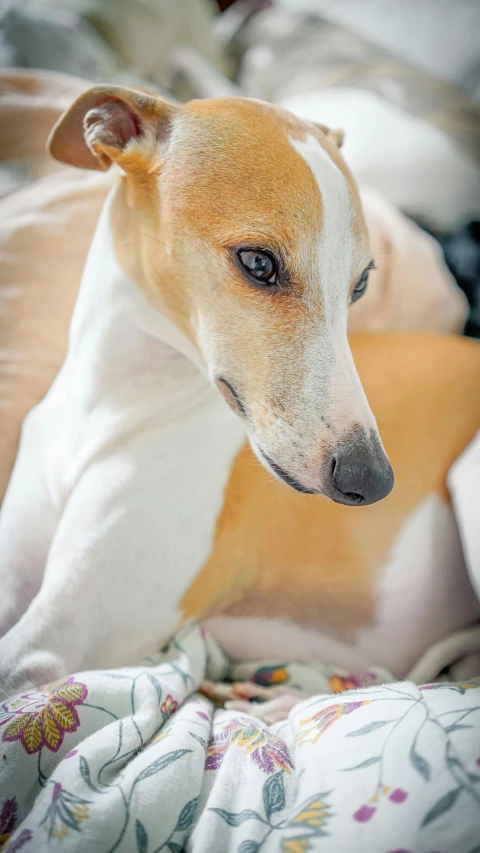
(267, 752)
(249, 755)
(25, 836)
(169, 706)
(364, 813)
(398, 796)
(42, 718)
(8, 819)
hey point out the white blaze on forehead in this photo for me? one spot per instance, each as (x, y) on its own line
(331, 382)
(335, 235)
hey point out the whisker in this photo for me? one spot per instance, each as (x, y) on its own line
(151, 237)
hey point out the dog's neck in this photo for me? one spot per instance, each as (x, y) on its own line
(118, 340)
(129, 376)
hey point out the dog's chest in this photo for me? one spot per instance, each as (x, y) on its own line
(291, 577)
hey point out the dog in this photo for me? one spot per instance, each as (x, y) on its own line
(207, 449)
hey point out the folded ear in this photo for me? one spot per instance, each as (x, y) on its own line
(337, 136)
(112, 124)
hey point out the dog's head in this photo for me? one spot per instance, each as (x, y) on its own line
(243, 225)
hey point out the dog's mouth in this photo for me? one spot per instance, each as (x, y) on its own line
(232, 397)
(355, 472)
(285, 476)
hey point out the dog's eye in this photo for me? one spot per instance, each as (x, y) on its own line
(361, 284)
(259, 265)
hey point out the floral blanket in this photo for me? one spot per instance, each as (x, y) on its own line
(136, 761)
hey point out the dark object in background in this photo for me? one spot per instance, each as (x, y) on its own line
(462, 256)
(225, 4)
(250, 5)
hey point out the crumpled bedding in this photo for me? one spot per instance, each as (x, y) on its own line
(122, 41)
(136, 760)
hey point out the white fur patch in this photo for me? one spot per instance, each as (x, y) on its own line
(249, 638)
(425, 596)
(335, 237)
(331, 379)
(425, 590)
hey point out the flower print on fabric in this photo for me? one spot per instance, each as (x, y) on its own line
(365, 812)
(8, 819)
(66, 811)
(169, 706)
(270, 675)
(25, 836)
(267, 752)
(311, 728)
(341, 683)
(42, 718)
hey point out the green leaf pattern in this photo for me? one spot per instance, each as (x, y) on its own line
(274, 794)
(141, 836)
(393, 766)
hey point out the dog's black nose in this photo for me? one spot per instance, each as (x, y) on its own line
(360, 473)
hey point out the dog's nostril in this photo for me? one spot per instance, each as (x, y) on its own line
(359, 474)
(352, 496)
(337, 478)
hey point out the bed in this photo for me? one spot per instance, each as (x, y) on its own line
(137, 759)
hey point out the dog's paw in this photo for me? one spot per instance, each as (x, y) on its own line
(270, 704)
(272, 711)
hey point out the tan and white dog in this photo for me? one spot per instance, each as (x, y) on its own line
(225, 261)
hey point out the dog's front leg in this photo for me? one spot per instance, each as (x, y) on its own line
(28, 520)
(104, 597)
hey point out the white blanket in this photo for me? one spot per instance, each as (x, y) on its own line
(135, 761)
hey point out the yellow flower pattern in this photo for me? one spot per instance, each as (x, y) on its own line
(43, 718)
(311, 728)
(296, 845)
(314, 814)
(107, 768)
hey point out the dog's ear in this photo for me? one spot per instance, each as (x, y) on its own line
(112, 124)
(337, 136)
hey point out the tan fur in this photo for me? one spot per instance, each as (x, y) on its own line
(229, 155)
(175, 223)
(83, 136)
(315, 562)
